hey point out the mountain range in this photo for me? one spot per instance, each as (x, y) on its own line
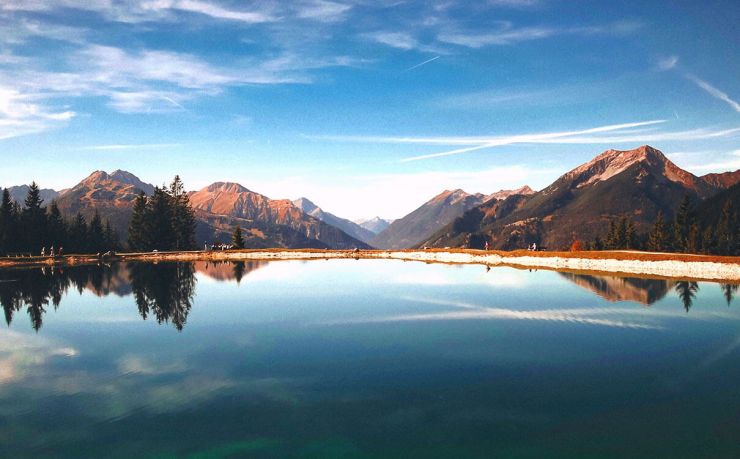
(581, 203)
(375, 224)
(349, 227)
(637, 183)
(432, 215)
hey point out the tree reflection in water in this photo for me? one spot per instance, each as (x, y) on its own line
(165, 290)
(687, 292)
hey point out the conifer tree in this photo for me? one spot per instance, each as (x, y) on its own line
(34, 220)
(183, 218)
(57, 229)
(658, 236)
(137, 230)
(8, 224)
(78, 235)
(96, 234)
(682, 225)
(159, 221)
(110, 237)
(727, 231)
(237, 239)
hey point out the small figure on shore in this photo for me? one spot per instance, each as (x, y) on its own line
(534, 247)
(51, 251)
(43, 251)
(61, 251)
(205, 246)
(486, 245)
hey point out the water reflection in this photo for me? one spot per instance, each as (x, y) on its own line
(166, 291)
(612, 288)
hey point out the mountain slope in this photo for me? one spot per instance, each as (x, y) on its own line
(349, 227)
(374, 225)
(266, 221)
(19, 193)
(430, 216)
(723, 180)
(637, 183)
(111, 195)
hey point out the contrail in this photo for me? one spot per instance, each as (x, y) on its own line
(423, 63)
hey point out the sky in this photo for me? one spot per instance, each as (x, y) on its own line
(366, 107)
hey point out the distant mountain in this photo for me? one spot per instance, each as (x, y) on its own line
(349, 227)
(637, 183)
(111, 195)
(503, 194)
(723, 180)
(422, 222)
(374, 225)
(19, 193)
(266, 222)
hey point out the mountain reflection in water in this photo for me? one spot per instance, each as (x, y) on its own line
(165, 291)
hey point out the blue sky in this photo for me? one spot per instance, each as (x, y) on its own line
(365, 107)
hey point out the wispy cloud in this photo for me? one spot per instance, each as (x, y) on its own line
(714, 92)
(667, 63)
(21, 114)
(323, 10)
(400, 40)
(141, 146)
(506, 33)
(619, 133)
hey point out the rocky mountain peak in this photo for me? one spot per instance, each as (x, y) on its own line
(226, 187)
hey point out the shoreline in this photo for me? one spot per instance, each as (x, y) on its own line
(621, 263)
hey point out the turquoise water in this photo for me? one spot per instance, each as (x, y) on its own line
(366, 358)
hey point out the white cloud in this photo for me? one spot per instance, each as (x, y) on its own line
(21, 115)
(218, 12)
(118, 147)
(506, 34)
(400, 40)
(714, 92)
(323, 10)
(667, 63)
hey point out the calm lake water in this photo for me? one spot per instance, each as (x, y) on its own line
(364, 358)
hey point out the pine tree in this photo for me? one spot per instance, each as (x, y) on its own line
(237, 239)
(158, 220)
(34, 220)
(726, 231)
(657, 238)
(612, 238)
(110, 237)
(137, 230)
(57, 229)
(183, 217)
(631, 240)
(78, 235)
(8, 224)
(682, 225)
(708, 240)
(96, 235)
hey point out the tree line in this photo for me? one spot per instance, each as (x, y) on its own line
(686, 233)
(30, 227)
(163, 221)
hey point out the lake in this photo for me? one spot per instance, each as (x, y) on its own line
(366, 358)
